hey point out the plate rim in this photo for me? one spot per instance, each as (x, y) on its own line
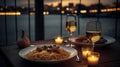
(48, 61)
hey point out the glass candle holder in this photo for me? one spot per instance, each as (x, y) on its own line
(86, 51)
(59, 40)
(93, 59)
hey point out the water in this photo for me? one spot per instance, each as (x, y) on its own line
(52, 27)
(22, 24)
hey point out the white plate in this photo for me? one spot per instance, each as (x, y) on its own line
(23, 52)
(109, 39)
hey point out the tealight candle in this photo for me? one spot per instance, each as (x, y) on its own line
(59, 40)
(86, 51)
(93, 58)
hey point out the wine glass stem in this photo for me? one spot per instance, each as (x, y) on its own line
(93, 46)
(70, 39)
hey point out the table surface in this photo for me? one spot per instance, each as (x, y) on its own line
(109, 57)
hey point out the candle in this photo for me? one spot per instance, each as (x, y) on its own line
(59, 40)
(93, 58)
(86, 51)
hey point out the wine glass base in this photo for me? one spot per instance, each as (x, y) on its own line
(72, 45)
(68, 45)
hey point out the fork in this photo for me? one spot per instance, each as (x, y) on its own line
(78, 58)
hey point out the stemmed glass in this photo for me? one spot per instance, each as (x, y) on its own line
(93, 31)
(71, 26)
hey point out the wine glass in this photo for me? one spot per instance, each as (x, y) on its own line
(71, 26)
(93, 31)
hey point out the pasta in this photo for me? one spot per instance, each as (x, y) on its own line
(49, 53)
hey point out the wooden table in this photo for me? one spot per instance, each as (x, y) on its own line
(109, 57)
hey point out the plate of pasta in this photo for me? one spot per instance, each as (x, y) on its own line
(47, 53)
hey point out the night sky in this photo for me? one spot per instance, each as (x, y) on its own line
(55, 2)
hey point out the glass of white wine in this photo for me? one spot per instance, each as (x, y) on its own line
(71, 26)
(93, 31)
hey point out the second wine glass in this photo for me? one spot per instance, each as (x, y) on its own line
(71, 26)
(93, 31)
